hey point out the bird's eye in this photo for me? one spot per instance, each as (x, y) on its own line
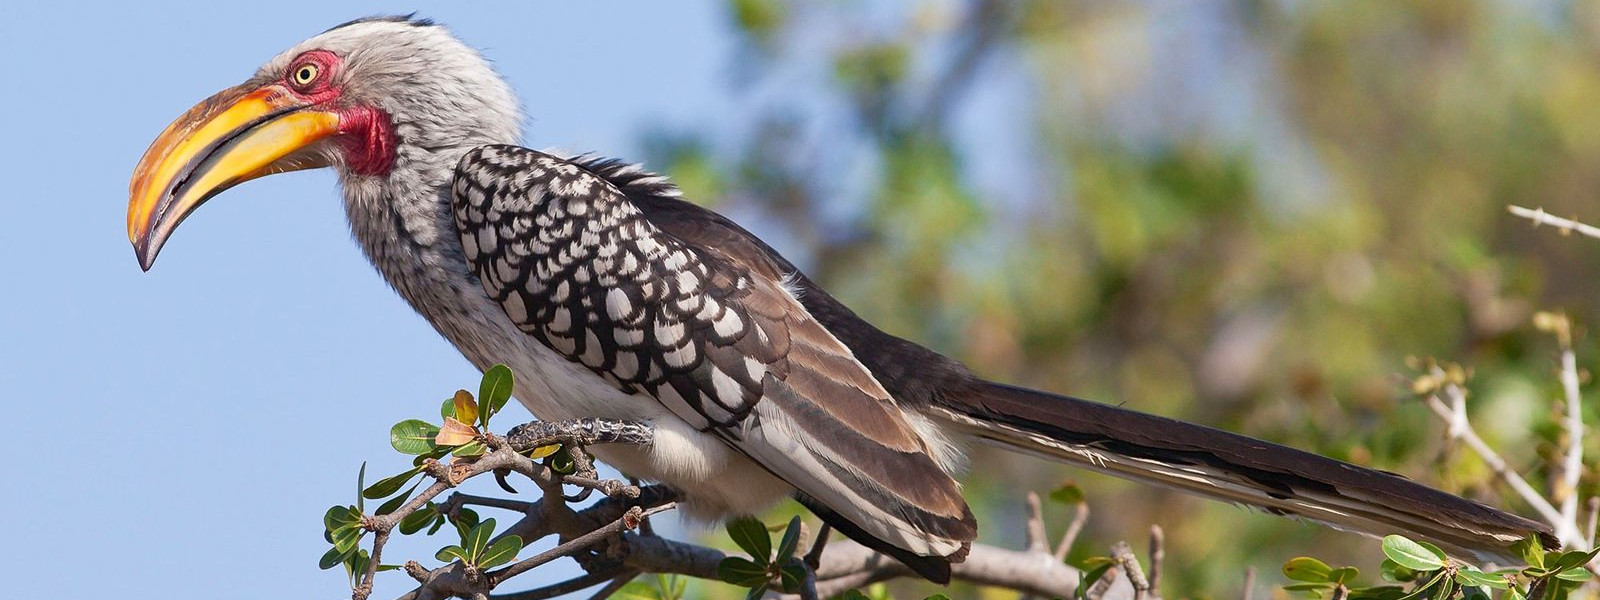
(306, 73)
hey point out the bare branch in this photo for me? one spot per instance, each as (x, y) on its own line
(1572, 466)
(1158, 553)
(1566, 226)
(1460, 428)
(1123, 554)
(584, 581)
(1036, 535)
(1079, 518)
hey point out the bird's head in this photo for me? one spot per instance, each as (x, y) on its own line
(375, 99)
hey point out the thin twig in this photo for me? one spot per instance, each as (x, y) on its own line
(1249, 583)
(585, 581)
(1035, 525)
(1540, 217)
(520, 506)
(1565, 530)
(627, 521)
(1078, 520)
(1572, 468)
(1125, 558)
(1158, 553)
(1594, 515)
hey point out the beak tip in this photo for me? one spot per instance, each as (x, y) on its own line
(145, 254)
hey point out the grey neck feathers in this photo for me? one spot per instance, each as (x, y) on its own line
(403, 222)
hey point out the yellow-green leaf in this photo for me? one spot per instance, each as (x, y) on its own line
(543, 451)
(466, 408)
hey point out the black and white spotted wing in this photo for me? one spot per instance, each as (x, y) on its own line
(575, 264)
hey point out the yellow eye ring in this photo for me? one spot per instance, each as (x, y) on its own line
(306, 73)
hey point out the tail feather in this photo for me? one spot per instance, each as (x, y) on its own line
(1234, 468)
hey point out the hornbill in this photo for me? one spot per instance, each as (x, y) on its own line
(615, 298)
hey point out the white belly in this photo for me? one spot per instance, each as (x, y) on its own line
(717, 480)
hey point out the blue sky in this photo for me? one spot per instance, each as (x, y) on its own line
(180, 432)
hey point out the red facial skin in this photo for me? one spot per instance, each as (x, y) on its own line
(366, 134)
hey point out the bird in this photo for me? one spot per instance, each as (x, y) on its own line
(614, 297)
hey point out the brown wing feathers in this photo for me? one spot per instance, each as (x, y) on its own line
(1149, 448)
(715, 338)
(823, 410)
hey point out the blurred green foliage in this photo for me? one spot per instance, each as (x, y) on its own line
(1244, 214)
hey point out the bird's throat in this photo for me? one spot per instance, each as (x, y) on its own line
(366, 135)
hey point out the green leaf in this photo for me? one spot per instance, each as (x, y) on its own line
(1446, 588)
(334, 557)
(937, 597)
(1531, 551)
(561, 462)
(1089, 577)
(1305, 568)
(1424, 588)
(790, 541)
(448, 410)
(451, 553)
(388, 485)
(414, 522)
(1392, 571)
(854, 595)
(1382, 592)
(473, 448)
(1344, 575)
(361, 484)
(1579, 575)
(1471, 576)
(339, 517)
(1437, 551)
(478, 539)
(345, 539)
(394, 504)
(1410, 555)
(636, 590)
(413, 436)
(675, 586)
(756, 592)
(792, 575)
(502, 551)
(1068, 493)
(464, 520)
(741, 572)
(494, 391)
(1309, 587)
(356, 566)
(1569, 560)
(752, 536)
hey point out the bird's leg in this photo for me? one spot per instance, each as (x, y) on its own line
(579, 432)
(574, 435)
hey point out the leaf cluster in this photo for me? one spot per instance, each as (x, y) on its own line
(1433, 575)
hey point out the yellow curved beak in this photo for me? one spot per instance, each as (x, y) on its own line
(237, 135)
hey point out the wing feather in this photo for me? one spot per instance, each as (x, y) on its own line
(721, 343)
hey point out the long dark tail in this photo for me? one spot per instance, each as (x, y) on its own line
(1234, 468)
